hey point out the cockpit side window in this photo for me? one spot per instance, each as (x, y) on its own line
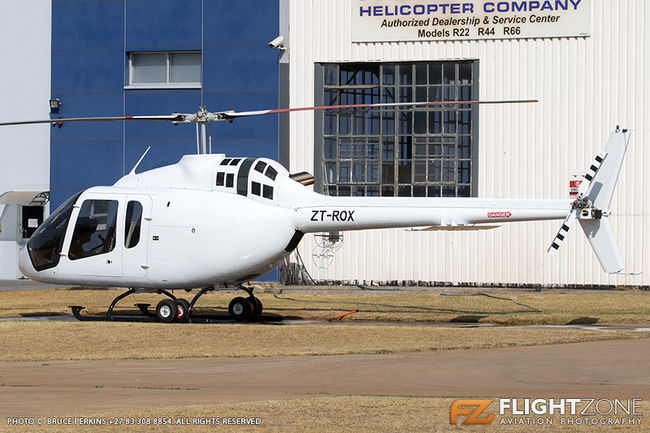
(94, 231)
(133, 223)
(45, 245)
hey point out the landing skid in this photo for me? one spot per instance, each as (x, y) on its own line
(172, 309)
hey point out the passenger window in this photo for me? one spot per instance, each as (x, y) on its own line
(260, 166)
(94, 231)
(133, 223)
(271, 173)
(230, 180)
(267, 192)
(255, 188)
(220, 178)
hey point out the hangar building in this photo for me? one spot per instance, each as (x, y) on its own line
(587, 63)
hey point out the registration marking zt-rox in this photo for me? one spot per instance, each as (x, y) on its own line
(335, 215)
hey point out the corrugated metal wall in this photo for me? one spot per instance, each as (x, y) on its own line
(586, 86)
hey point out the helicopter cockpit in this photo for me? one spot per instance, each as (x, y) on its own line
(46, 243)
(94, 231)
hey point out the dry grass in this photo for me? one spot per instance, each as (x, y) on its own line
(333, 414)
(585, 307)
(40, 341)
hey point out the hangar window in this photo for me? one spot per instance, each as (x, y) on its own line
(421, 151)
(165, 69)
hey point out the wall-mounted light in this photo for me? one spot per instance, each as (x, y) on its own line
(55, 105)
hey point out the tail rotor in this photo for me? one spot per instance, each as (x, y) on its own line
(591, 207)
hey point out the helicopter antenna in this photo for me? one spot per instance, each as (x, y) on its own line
(132, 172)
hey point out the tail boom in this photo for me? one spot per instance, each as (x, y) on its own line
(342, 213)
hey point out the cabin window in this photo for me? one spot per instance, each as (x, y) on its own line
(271, 173)
(256, 188)
(230, 180)
(235, 161)
(267, 192)
(94, 231)
(133, 223)
(220, 178)
(225, 161)
(260, 166)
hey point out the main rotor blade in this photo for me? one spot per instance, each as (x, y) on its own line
(203, 116)
(234, 114)
(172, 118)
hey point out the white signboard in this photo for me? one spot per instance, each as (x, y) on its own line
(440, 20)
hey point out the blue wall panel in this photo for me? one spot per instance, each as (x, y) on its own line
(87, 24)
(87, 70)
(240, 68)
(163, 24)
(82, 164)
(241, 22)
(91, 41)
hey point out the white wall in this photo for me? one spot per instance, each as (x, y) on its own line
(25, 29)
(586, 86)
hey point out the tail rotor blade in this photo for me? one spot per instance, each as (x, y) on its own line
(562, 233)
(591, 173)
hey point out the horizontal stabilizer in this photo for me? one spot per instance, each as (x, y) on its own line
(602, 240)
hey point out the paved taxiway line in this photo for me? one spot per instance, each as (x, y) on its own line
(617, 368)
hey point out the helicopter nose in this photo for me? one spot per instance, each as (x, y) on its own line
(25, 263)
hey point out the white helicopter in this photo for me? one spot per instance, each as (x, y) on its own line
(212, 221)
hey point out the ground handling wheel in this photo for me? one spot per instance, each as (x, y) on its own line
(240, 309)
(166, 311)
(183, 307)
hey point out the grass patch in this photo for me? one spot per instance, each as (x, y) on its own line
(333, 414)
(44, 341)
(549, 307)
